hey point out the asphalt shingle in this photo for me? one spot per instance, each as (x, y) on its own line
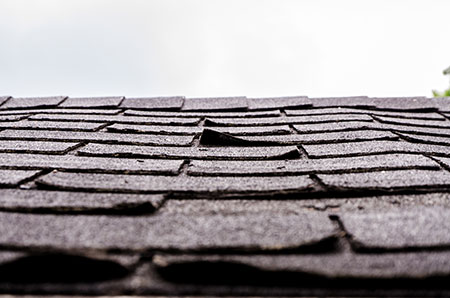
(97, 137)
(247, 114)
(352, 101)
(414, 122)
(307, 166)
(153, 103)
(287, 120)
(373, 147)
(92, 111)
(208, 232)
(399, 229)
(387, 180)
(36, 147)
(52, 125)
(15, 177)
(92, 102)
(215, 104)
(278, 102)
(32, 102)
(90, 164)
(77, 202)
(237, 153)
(181, 184)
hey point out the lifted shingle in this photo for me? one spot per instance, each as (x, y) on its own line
(61, 111)
(414, 122)
(426, 139)
(388, 180)
(403, 103)
(176, 233)
(14, 177)
(278, 102)
(3, 99)
(77, 202)
(215, 104)
(351, 101)
(373, 147)
(335, 126)
(32, 102)
(237, 153)
(153, 103)
(399, 229)
(36, 147)
(97, 137)
(92, 102)
(307, 166)
(181, 184)
(90, 164)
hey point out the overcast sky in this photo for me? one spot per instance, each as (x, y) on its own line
(220, 48)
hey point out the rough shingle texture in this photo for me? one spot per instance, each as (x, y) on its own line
(233, 196)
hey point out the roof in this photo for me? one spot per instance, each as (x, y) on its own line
(225, 196)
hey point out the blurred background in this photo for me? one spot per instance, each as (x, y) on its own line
(220, 48)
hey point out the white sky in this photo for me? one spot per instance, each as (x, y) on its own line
(219, 48)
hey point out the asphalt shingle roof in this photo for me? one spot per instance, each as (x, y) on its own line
(225, 196)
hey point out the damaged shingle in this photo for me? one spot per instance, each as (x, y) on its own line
(92, 102)
(36, 147)
(233, 153)
(51, 125)
(247, 114)
(238, 103)
(15, 177)
(32, 102)
(278, 102)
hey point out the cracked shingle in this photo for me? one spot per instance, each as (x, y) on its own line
(97, 137)
(32, 102)
(287, 120)
(15, 177)
(90, 164)
(215, 104)
(92, 102)
(62, 202)
(181, 184)
(36, 147)
(399, 229)
(373, 147)
(278, 102)
(306, 166)
(190, 152)
(189, 233)
(387, 180)
(153, 103)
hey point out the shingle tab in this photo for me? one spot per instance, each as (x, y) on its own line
(153, 103)
(441, 103)
(373, 147)
(97, 137)
(287, 120)
(335, 126)
(246, 114)
(118, 119)
(90, 164)
(36, 147)
(399, 228)
(388, 180)
(92, 102)
(307, 166)
(3, 99)
(215, 104)
(182, 184)
(237, 153)
(278, 102)
(32, 102)
(7, 118)
(426, 139)
(15, 177)
(52, 125)
(208, 232)
(77, 202)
